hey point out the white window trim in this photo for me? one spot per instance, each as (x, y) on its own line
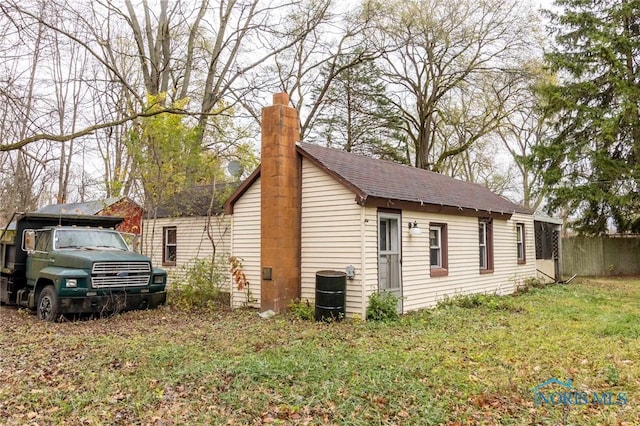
(167, 244)
(520, 242)
(438, 230)
(484, 260)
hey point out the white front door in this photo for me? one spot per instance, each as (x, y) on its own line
(389, 278)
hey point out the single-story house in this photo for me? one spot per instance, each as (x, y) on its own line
(187, 226)
(123, 207)
(417, 234)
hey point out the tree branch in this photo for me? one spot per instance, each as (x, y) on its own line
(86, 131)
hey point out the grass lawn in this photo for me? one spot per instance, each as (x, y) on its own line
(457, 364)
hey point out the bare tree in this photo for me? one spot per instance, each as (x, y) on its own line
(483, 165)
(444, 52)
(208, 52)
(68, 67)
(524, 128)
(24, 176)
(333, 42)
(205, 52)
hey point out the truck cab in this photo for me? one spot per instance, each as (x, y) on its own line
(73, 264)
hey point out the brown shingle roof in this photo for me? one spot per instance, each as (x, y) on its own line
(196, 201)
(87, 208)
(376, 180)
(387, 184)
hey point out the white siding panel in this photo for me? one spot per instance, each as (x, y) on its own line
(337, 232)
(420, 290)
(246, 243)
(371, 255)
(191, 239)
(331, 234)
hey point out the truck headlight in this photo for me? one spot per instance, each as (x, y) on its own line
(72, 282)
(158, 279)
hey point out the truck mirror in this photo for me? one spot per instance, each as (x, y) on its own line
(29, 240)
(136, 244)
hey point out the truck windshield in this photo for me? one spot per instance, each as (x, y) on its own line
(88, 239)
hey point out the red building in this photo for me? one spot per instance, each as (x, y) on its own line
(124, 207)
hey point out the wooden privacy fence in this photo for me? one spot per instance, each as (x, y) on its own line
(601, 255)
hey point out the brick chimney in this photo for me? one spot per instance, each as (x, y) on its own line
(280, 205)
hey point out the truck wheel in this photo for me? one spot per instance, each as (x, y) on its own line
(48, 304)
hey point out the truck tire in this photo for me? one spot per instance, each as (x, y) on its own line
(47, 307)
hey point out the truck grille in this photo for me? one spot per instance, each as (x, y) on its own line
(120, 274)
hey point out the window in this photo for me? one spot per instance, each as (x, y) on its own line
(169, 245)
(485, 243)
(42, 241)
(435, 246)
(78, 239)
(383, 235)
(438, 249)
(520, 243)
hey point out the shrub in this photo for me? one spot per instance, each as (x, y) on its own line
(382, 307)
(302, 310)
(199, 284)
(240, 279)
(612, 375)
(529, 284)
(469, 301)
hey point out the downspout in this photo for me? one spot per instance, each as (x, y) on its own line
(558, 273)
(231, 249)
(363, 262)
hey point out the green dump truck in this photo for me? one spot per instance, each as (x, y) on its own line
(73, 264)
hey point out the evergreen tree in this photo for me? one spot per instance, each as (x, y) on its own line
(591, 165)
(358, 117)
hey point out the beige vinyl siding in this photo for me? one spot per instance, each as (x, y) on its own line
(371, 257)
(331, 234)
(192, 241)
(420, 290)
(245, 240)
